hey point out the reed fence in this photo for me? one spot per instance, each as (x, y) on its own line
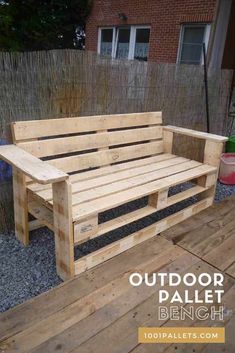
(61, 83)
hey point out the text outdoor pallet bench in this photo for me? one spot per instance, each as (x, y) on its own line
(130, 156)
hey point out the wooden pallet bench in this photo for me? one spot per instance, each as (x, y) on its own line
(68, 171)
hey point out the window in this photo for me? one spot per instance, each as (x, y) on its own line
(123, 43)
(192, 38)
(106, 41)
(129, 42)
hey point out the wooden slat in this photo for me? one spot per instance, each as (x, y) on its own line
(136, 215)
(42, 213)
(31, 166)
(212, 153)
(122, 245)
(101, 158)
(57, 146)
(194, 133)
(24, 130)
(20, 207)
(185, 195)
(63, 229)
(168, 141)
(131, 183)
(35, 224)
(104, 203)
(116, 223)
(92, 174)
(86, 190)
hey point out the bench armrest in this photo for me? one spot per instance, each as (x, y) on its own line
(195, 133)
(31, 166)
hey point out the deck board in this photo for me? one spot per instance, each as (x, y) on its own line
(99, 311)
(210, 235)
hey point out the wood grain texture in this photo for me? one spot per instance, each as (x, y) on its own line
(194, 133)
(20, 207)
(31, 129)
(31, 166)
(217, 247)
(63, 145)
(63, 229)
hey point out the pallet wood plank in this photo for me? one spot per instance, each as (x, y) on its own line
(102, 158)
(23, 130)
(20, 207)
(42, 214)
(95, 206)
(109, 170)
(194, 133)
(87, 190)
(63, 229)
(63, 145)
(31, 166)
(119, 246)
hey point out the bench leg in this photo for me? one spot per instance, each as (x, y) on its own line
(63, 228)
(20, 207)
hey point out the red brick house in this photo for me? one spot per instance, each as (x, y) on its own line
(162, 30)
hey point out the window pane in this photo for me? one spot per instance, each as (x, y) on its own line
(191, 49)
(106, 41)
(142, 44)
(123, 43)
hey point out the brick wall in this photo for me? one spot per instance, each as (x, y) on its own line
(164, 17)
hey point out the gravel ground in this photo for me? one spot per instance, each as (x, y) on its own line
(28, 271)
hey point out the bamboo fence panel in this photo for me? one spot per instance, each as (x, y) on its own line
(62, 83)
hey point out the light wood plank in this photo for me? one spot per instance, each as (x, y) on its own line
(20, 207)
(168, 141)
(86, 190)
(104, 203)
(117, 223)
(63, 229)
(31, 166)
(23, 130)
(57, 146)
(122, 245)
(35, 224)
(102, 158)
(195, 133)
(41, 213)
(113, 169)
(212, 153)
(138, 214)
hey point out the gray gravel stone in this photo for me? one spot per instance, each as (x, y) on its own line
(28, 271)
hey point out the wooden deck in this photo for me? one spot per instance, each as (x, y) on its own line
(209, 235)
(100, 312)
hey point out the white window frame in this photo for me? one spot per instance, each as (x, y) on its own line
(132, 42)
(205, 38)
(99, 38)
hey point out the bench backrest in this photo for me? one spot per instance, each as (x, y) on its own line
(74, 144)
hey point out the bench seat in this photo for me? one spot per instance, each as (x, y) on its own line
(99, 190)
(67, 172)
